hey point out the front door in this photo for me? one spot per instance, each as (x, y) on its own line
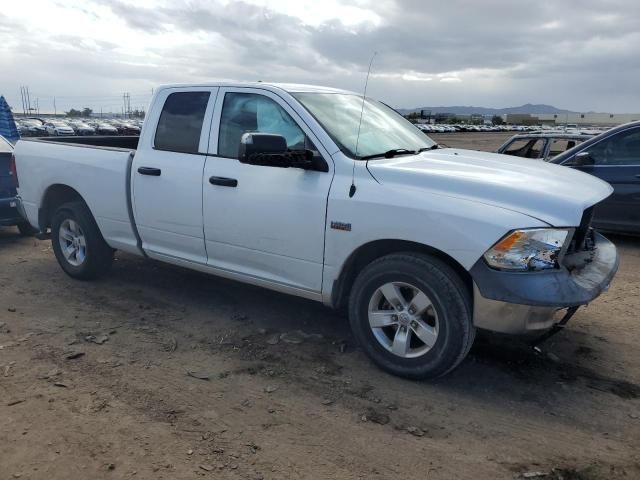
(167, 174)
(259, 221)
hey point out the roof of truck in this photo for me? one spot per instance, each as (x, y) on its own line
(288, 87)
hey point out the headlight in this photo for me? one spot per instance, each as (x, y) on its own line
(522, 250)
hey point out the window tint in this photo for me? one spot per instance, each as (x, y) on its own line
(250, 112)
(528, 148)
(180, 122)
(620, 149)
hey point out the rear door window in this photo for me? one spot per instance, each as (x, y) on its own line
(526, 147)
(561, 145)
(180, 123)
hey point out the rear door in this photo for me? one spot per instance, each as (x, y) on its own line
(167, 173)
(617, 161)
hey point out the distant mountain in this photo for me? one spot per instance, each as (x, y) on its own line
(468, 110)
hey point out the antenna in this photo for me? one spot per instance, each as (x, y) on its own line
(352, 189)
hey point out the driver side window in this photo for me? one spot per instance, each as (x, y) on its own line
(250, 112)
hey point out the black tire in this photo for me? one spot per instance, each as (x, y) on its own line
(98, 257)
(449, 296)
(26, 230)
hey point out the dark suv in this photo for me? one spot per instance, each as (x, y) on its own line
(613, 156)
(9, 212)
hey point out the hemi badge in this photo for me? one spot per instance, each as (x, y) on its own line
(341, 226)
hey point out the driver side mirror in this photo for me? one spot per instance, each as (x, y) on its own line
(271, 150)
(254, 145)
(583, 159)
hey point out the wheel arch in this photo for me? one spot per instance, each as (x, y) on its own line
(55, 195)
(368, 252)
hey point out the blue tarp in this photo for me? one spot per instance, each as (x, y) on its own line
(7, 126)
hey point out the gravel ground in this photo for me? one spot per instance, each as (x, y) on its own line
(156, 372)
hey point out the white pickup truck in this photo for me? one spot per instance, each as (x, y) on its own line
(281, 186)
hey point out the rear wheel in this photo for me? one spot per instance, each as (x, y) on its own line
(78, 244)
(411, 313)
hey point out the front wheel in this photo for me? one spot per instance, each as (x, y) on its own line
(78, 244)
(411, 313)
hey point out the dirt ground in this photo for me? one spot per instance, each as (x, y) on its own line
(157, 372)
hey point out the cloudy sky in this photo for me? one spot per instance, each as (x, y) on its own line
(582, 55)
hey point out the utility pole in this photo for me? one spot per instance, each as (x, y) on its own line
(24, 107)
(126, 104)
(28, 100)
(55, 111)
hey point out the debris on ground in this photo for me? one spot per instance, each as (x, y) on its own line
(99, 340)
(273, 339)
(415, 431)
(198, 375)
(534, 475)
(11, 309)
(170, 344)
(294, 337)
(297, 337)
(270, 389)
(7, 369)
(73, 355)
(207, 468)
(374, 416)
(4, 328)
(14, 402)
(54, 372)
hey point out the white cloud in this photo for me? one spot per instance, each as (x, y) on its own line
(86, 53)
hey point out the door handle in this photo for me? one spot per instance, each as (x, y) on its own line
(154, 172)
(223, 181)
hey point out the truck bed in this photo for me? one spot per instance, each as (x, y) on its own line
(97, 168)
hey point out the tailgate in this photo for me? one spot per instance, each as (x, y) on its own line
(7, 180)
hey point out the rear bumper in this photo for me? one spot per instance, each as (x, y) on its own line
(10, 212)
(511, 302)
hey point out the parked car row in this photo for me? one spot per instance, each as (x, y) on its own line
(569, 129)
(442, 128)
(40, 127)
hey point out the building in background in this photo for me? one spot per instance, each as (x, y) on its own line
(580, 119)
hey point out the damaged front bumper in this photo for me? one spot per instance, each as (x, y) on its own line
(522, 302)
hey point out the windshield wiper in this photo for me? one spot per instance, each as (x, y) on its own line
(432, 147)
(390, 153)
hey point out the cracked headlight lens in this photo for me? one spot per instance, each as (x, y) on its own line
(524, 250)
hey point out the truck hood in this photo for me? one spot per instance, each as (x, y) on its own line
(554, 194)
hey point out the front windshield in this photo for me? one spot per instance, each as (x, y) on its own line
(382, 128)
